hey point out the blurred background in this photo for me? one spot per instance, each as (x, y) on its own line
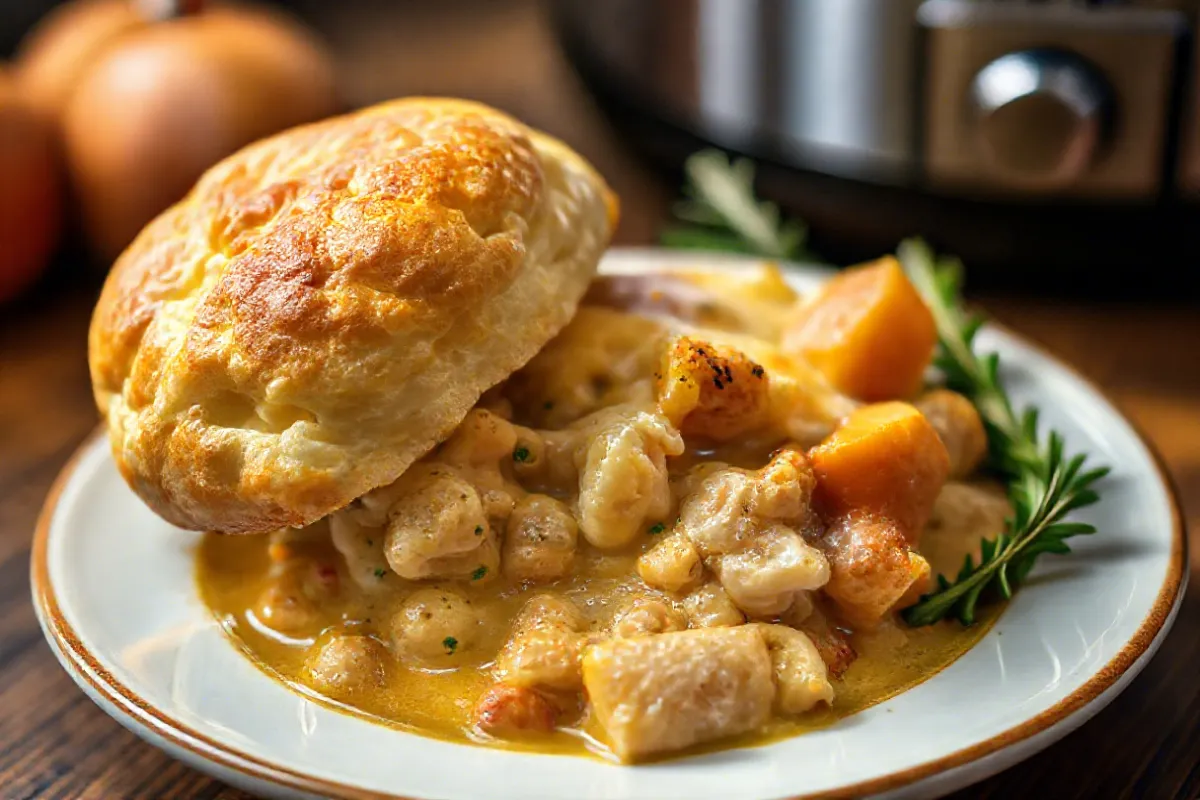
(1054, 145)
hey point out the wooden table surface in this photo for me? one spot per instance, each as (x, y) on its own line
(55, 744)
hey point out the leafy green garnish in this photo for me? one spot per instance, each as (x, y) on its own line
(657, 528)
(380, 572)
(720, 212)
(451, 644)
(479, 573)
(1044, 484)
(521, 455)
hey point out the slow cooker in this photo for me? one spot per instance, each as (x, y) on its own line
(1050, 144)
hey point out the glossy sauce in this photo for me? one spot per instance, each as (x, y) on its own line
(233, 571)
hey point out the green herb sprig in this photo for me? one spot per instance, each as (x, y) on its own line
(1044, 484)
(721, 212)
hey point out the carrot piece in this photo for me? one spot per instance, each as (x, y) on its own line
(885, 460)
(868, 332)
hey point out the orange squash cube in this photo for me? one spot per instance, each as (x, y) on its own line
(885, 460)
(868, 332)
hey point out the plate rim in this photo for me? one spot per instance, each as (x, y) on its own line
(83, 666)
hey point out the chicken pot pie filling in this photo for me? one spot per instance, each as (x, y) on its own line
(688, 522)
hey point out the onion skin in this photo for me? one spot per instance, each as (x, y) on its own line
(30, 191)
(145, 103)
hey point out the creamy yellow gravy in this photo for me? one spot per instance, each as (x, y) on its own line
(234, 573)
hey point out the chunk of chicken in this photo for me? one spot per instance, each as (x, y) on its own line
(963, 515)
(655, 694)
(361, 548)
(645, 616)
(483, 448)
(438, 528)
(544, 647)
(297, 587)
(434, 627)
(709, 606)
(623, 481)
(763, 578)
(712, 391)
(506, 710)
(801, 679)
(959, 426)
(832, 644)
(539, 544)
(672, 565)
(744, 524)
(283, 606)
(346, 665)
(601, 358)
(871, 567)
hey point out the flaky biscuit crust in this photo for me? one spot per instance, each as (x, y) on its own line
(328, 304)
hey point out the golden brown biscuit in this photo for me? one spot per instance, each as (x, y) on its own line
(327, 304)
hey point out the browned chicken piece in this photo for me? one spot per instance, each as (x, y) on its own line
(832, 643)
(434, 627)
(505, 710)
(959, 426)
(709, 606)
(963, 515)
(290, 603)
(655, 694)
(545, 646)
(439, 527)
(645, 616)
(712, 391)
(346, 665)
(801, 677)
(871, 567)
(539, 544)
(672, 565)
(745, 526)
(623, 479)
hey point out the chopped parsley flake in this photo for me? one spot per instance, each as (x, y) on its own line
(451, 644)
(478, 530)
(380, 572)
(479, 573)
(521, 455)
(657, 527)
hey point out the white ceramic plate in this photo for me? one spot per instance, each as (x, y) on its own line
(114, 591)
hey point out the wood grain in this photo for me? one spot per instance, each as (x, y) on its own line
(55, 744)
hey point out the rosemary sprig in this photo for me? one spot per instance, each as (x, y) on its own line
(1044, 484)
(721, 212)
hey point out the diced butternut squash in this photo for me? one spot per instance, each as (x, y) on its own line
(885, 460)
(868, 332)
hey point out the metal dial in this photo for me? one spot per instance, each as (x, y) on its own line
(1040, 116)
